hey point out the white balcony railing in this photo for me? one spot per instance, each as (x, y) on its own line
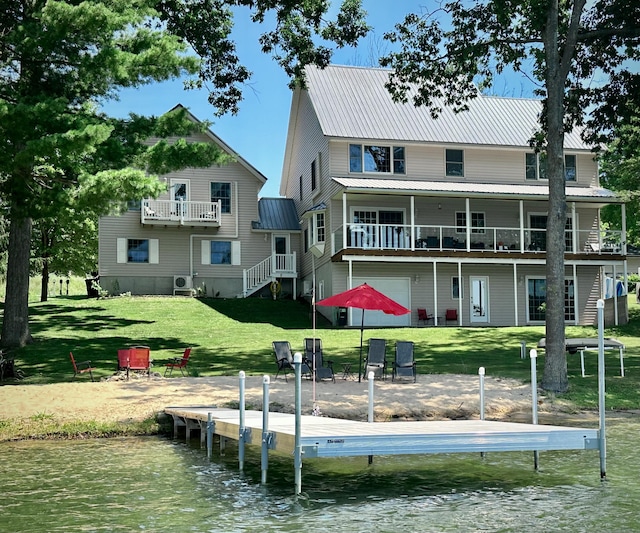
(495, 239)
(180, 212)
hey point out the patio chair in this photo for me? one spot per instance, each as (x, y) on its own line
(323, 369)
(451, 315)
(178, 362)
(404, 364)
(376, 359)
(424, 317)
(82, 367)
(284, 358)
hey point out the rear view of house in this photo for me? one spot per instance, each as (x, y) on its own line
(446, 214)
(208, 234)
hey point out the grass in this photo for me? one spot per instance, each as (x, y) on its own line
(232, 335)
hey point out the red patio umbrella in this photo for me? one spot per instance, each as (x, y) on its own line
(365, 297)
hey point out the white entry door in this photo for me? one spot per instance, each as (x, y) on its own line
(180, 195)
(479, 300)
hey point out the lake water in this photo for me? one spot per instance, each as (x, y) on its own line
(157, 485)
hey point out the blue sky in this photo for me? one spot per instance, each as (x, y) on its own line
(258, 132)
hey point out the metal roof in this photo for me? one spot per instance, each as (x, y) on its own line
(494, 190)
(352, 102)
(277, 214)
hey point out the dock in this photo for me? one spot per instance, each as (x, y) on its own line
(307, 436)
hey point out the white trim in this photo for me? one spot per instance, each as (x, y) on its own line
(205, 252)
(121, 250)
(154, 251)
(236, 258)
(484, 284)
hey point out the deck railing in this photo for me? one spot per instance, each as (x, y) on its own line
(180, 211)
(494, 239)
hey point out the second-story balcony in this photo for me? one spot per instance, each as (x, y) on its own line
(456, 239)
(180, 213)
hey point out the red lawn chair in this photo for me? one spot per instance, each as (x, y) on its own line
(82, 367)
(178, 362)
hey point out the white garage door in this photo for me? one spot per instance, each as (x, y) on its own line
(398, 289)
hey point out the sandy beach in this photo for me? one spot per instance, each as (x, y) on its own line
(433, 396)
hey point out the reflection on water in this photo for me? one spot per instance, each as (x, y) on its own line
(150, 484)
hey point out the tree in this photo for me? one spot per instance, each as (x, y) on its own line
(568, 46)
(620, 171)
(58, 58)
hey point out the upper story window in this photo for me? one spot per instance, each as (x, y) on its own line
(536, 166)
(477, 222)
(314, 182)
(319, 227)
(370, 158)
(454, 162)
(222, 191)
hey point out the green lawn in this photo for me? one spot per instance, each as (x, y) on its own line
(232, 335)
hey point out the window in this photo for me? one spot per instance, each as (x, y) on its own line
(137, 251)
(143, 251)
(222, 192)
(456, 288)
(477, 222)
(371, 158)
(536, 166)
(220, 252)
(313, 176)
(570, 172)
(398, 160)
(319, 224)
(454, 163)
(537, 299)
(300, 186)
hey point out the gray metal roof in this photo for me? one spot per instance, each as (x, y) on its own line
(352, 102)
(495, 190)
(277, 214)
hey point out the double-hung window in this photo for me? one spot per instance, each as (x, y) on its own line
(454, 162)
(141, 251)
(477, 222)
(536, 166)
(222, 191)
(375, 158)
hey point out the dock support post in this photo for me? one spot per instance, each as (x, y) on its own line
(209, 435)
(534, 400)
(370, 419)
(241, 424)
(601, 404)
(264, 458)
(523, 350)
(297, 451)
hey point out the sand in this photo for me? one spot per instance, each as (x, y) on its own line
(433, 396)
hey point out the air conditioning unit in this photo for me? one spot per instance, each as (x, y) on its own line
(182, 282)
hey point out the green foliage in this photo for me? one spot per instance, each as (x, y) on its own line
(63, 163)
(621, 172)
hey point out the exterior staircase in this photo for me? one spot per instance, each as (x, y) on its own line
(273, 267)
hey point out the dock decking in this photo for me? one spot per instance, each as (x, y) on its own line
(333, 437)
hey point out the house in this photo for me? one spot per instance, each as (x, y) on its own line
(446, 214)
(209, 234)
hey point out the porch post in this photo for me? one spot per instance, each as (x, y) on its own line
(615, 294)
(413, 223)
(522, 247)
(468, 215)
(435, 294)
(344, 220)
(574, 229)
(515, 293)
(623, 236)
(575, 294)
(460, 293)
(350, 274)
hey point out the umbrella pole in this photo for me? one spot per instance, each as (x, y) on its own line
(361, 330)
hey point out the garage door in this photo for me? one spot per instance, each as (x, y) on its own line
(398, 289)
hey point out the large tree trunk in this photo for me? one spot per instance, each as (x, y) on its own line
(15, 326)
(555, 362)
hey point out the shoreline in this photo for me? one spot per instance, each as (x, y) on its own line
(121, 407)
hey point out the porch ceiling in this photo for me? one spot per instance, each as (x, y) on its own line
(590, 195)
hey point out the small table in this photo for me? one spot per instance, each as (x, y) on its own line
(346, 371)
